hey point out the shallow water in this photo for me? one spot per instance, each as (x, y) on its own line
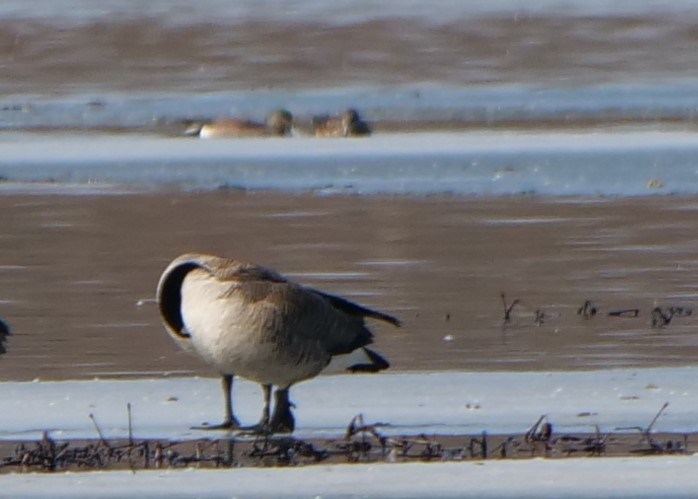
(119, 64)
(574, 98)
(84, 46)
(98, 191)
(78, 273)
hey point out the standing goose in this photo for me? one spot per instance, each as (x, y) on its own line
(4, 333)
(246, 320)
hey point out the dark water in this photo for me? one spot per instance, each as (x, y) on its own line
(72, 46)
(117, 65)
(74, 269)
(529, 87)
(560, 94)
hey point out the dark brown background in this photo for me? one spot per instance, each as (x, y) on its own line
(73, 269)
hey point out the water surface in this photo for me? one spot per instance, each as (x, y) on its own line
(545, 150)
(79, 274)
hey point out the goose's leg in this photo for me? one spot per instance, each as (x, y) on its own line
(264, 422)
(230, 422)
(263, 426)
(282, 420)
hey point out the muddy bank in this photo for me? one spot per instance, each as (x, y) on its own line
(365, 445)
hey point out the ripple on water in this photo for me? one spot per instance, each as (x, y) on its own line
(391, 263)
(298, 214)
(525, 221)
(11, 268)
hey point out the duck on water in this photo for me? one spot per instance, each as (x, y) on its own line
(244, 319)
(349, 124)
(278, 124)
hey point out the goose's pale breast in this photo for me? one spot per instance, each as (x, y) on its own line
(254, 340)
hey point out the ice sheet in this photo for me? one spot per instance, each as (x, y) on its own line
(478, 163)
(651, 477)
(443, 402)
(446, 402)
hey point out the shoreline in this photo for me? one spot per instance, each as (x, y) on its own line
(365, 446)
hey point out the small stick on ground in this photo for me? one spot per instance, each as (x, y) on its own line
(229, 451)
(534, 435)
(625, 312)
(539, 318)
(656, 417)
(532, 432)
(360, 449)
(99, 431)
(507, 309)
(647, 432)
(501, 449)
(587, 310)
(130, 428)
(478, 447)
(660, 319)
(597, 445)
(677, 311)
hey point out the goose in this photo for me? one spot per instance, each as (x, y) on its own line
(247, 320)
(349, 125)
(4, 333)
(278, 124)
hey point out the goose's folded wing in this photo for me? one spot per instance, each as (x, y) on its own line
(355, 309)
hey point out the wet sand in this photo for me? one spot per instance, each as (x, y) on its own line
(75, 271)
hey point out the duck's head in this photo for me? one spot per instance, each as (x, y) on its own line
(352, 124)
(349, 117)
(280, 122)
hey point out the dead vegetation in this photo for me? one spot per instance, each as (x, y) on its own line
(362, 443)
(660, 317)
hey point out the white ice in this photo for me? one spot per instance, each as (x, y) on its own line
(474, 163)
(651, 477)
(337, 12)
(437, 402)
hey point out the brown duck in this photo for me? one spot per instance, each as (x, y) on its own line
(278, 124)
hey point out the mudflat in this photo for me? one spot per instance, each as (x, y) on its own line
(366, 446)
(78, 274)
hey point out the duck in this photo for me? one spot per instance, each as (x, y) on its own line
(278, 124)
(349, 124)
(246, 320)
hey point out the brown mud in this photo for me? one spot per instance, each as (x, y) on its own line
(365, 445)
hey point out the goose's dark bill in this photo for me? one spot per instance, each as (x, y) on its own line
(244, 319)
